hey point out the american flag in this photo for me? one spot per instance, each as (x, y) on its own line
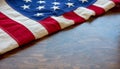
(22, 21)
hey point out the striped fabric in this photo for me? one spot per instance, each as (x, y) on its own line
(17, 29)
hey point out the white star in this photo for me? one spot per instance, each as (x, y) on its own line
(40, 7)
(27, 1)
(84, 1)
(55, 8)
(40, 2)
(56, 3)
(25, 6)
(69, 4)
(38, 14)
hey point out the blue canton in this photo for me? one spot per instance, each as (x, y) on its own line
(41, 9)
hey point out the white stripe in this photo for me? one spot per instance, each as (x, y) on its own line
(63, 22)
(36, 28)
(105, 4)
(84, 12)
(7, 43)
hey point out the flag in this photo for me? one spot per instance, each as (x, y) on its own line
(22, 21)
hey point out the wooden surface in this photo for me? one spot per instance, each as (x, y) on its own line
(92, 45)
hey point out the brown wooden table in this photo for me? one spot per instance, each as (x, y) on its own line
(92, 45)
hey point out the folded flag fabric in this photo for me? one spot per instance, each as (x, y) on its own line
(22, 21)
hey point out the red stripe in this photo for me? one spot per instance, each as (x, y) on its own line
(96, 9)
(17, 31)
(117, 2)
(51, 25)
(72, 16)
